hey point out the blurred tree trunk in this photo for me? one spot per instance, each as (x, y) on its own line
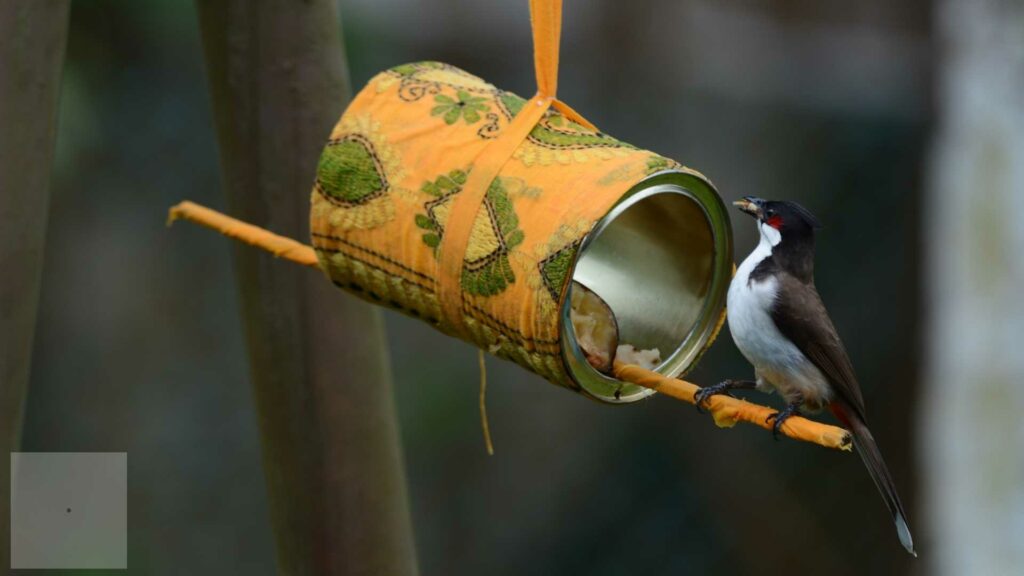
(331, 453)
(972, 433)
(32, 40)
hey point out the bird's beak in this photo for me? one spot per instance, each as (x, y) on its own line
(750, 205)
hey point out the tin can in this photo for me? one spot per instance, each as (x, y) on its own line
(662, 260)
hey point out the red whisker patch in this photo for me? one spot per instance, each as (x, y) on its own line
(775, 222)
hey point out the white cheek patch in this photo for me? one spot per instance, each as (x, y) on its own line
(771, 235)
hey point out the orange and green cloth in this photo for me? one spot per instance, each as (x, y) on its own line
(387, 197)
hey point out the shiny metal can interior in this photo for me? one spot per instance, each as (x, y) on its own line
(662, 259)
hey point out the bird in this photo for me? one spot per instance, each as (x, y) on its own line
(780, 325)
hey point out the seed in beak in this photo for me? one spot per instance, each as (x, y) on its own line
(747, 206)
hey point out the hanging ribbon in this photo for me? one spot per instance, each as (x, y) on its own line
(546, 21)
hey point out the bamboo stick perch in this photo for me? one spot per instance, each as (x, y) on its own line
(279, 246)
(725, 410)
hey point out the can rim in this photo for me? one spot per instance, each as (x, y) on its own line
(694, 186)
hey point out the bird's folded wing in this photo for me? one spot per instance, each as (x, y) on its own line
(800, 316)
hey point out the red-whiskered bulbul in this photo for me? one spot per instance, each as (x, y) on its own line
(780, 325)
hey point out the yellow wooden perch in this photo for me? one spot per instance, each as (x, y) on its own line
(727, 411)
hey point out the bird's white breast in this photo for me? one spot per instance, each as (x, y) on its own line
(750, 322)
(776, 360)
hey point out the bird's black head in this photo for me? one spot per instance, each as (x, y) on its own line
(789, 218)
(788, 230)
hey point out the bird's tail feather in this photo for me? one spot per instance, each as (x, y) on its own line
(868, 450)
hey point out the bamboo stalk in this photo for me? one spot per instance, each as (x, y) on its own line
(319, 364)
(726, 411)
(33, 36)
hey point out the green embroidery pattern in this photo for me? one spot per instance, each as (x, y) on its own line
(436, 217)
(408, 70)
(467, 106)
(357, 177)
(657, 163)
(632, 172)
(510, 104)
(556, 132)
(419, 79)
(555, 269)
(349, 172)
(491, 273)
(550, 263)
(486, 270)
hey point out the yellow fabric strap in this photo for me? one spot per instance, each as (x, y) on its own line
(546, 20)
(573, 115)
(467, 203)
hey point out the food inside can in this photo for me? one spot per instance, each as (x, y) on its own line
(627, 354)
(597, 333)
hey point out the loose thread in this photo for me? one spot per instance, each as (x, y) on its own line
(483, 404)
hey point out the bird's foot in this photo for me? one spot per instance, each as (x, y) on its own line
(791, 409)
(723, 387)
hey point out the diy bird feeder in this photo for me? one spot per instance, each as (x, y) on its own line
(473, 209)
(408, 213)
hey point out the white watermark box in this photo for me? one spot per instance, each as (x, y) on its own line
(69, 510)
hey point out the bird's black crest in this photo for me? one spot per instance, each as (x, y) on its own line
(803, 213)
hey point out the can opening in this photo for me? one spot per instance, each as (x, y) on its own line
(662, 260)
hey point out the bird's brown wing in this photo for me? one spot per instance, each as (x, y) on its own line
(801, 317)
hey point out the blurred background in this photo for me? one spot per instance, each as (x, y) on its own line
(894, 122)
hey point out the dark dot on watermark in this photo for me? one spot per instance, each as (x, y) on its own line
(69, 510)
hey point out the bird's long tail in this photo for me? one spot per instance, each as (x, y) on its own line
(868, 450)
